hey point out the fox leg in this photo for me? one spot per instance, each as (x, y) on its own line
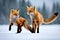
(19, 28)
(10, 26)
(37, 27)
(33, 27)
(33, 31)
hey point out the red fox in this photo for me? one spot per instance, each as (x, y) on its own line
(19, 21)
(37, 18)
(14, 14)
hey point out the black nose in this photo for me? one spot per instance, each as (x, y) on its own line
(56, 13)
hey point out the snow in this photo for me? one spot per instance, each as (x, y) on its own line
(46, 32)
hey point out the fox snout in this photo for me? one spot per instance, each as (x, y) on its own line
(15, 14)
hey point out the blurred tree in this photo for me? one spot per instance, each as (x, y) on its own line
(53, 10)
(2, 11)
(45, 11)
(23, 10)
(28, 3)
(5, 7)
(56, 8)
(39, 9)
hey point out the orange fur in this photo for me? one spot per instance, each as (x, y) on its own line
(13, 13)
(35, 15)
(19, 21)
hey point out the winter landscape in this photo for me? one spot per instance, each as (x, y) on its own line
(45, 7)
(47, 32)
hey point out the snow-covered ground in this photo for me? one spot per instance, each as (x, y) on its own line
(47, 32)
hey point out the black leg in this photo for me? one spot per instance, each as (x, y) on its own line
(19, 29)
(31, 29)
(34, 29)
(10, 26)
(38, 30)
(37, 27)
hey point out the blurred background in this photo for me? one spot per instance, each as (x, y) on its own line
(45, 7)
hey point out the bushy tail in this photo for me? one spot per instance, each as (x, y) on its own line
(51, 19)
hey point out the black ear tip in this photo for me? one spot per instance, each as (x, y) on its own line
(56, 13)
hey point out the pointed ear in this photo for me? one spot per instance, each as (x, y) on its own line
(12, 10)
(18, 10)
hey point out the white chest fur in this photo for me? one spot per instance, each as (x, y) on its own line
(14, 18)
(32, 15)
